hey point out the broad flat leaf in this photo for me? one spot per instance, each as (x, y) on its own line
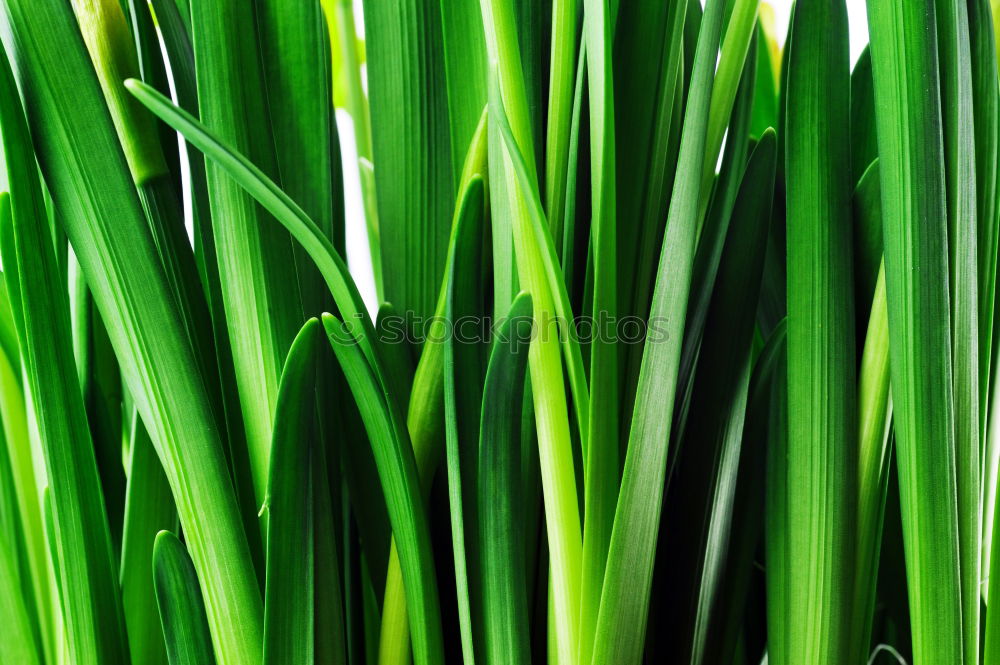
(911, 162)
(182, 612)
(822, 390)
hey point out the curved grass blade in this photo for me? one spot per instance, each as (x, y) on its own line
(400, 483)
(985, 107)
(91, 602)
(463, 400)
(257, 271)
(182, 612)
(87, 175)
(548, 392)
(621, 624)
(426, 415)
(37, 572)
(726, 624)
(149, 509)
(710, 456)
(501, 537)
(289, 597)
(874, 419)
(911, 161)
(864, 146)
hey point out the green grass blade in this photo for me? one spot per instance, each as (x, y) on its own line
(822, 400)
(295, 53)
(733, 54)
(602, 446)
(466, 72)
(463, 400)
(505, 603)
(91, 602)
(538, 271)
(256, 265)
(864, 144)
(710, 456)
(874, 418)
(414, 177)
(985, 92)
(26, 470)
(289, 621)
(400, 483)
(777, 537)
(87, 175)
(908, 115)
(963, 229)
(726, 626)
(621, 625)
(563, 68)
(182, 612)
(19, 644)
(868, 242)
(149, 509)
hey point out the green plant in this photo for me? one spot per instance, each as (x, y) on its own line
(683, 345)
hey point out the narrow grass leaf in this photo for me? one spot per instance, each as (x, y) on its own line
(182, 612)
(149, 509)
(463, 380)
(908, 113)
(621, 625)
(289, 619)
(505, 602)
(400, 483)
(87, 174)
(91, 602)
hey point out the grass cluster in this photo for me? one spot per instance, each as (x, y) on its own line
(685, 350)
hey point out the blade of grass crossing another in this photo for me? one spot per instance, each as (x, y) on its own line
(289, 620)
(911, 160)
(621, 624)
(462, 402)
(88, 177)
(90, 597)
(505, 602)
(397, 470)
(182, 612)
